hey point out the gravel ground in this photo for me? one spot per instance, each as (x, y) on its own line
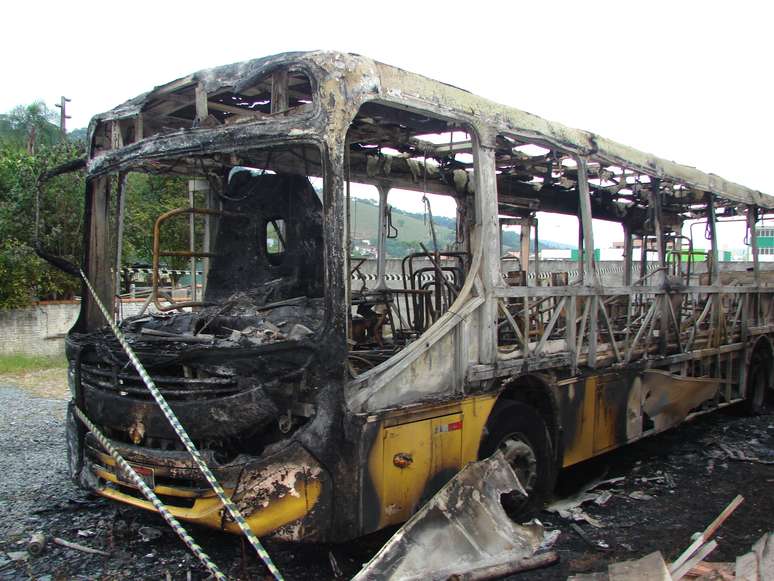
(685, 473)
(32, 460)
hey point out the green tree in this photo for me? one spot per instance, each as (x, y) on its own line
(61, 211)
(23, 160)
(29, 127)
(25, 278)
(147, 197)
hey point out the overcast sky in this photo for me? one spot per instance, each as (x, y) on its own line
(688, 81)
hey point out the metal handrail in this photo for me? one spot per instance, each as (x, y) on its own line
(157, 253)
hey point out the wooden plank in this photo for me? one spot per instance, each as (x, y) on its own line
(724, 571)
(707, 534)
(723, 516)
(698, 557)
(650, 568)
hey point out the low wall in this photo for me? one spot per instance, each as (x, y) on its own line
(37, 330)
(40, 329)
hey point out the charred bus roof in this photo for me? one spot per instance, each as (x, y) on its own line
(320, 94)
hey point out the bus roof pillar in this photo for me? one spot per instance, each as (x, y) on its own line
(584, 203)
(487, 241)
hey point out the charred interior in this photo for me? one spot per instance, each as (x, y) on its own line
(241, 363)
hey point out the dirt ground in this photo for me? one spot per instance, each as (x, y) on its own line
(685, 475)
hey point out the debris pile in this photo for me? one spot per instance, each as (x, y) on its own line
(235, 324)
(756, 565)
(570, 508)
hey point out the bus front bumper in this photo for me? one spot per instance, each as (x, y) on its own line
(285, 496)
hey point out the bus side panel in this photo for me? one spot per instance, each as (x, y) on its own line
(613, 408)
(605, 411)
(599, 413)
(578, 406)
(415, 453)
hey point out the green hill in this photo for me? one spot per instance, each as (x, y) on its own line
(364, 216)
(412, 229)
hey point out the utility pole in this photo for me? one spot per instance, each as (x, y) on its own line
(63, 116)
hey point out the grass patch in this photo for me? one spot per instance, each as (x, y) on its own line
(25, 363)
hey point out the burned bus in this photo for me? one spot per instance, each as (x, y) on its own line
(329, 401)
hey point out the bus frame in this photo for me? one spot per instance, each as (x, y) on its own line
(552, 374)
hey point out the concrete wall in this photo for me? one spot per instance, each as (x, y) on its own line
(40, 329)
(37, 330)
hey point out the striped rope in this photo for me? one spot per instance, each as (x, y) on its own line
(187, 442)
(151, 496)
(162, 271)
(399, 277)
(391, 277)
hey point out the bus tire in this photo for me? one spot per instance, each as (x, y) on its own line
(757, 384)
(521, 433)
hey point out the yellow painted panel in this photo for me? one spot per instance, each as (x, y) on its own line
(207, 511)
(412, 431)
(402, 487)
(581, 444)
(447, 443)
(604, 419)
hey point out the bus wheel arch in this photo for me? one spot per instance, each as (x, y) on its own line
(760, 383)
(523, 426)
(536, 391)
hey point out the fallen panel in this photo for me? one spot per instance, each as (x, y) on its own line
(462, 528)
(668, 398)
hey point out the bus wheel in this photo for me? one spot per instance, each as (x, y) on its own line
(520, 432)
(757, 385)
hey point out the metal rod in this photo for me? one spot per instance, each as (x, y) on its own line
(550, 326)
